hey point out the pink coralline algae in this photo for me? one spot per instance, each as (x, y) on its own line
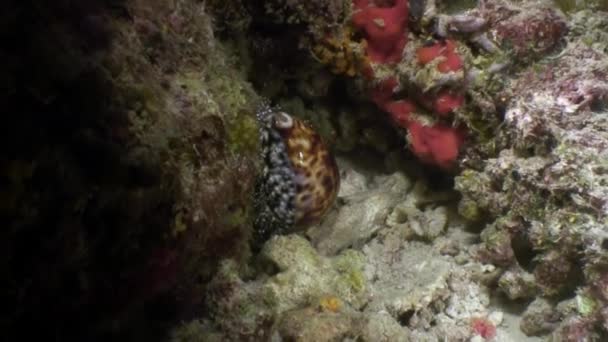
(530, 32)
(446, 102)
(444, 49)
(384, 26)
(400, 111)
(483, 327)
(437, 144)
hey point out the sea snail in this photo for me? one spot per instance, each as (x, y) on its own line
(299, 181)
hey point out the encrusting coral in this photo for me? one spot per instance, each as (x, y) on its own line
(384, 27)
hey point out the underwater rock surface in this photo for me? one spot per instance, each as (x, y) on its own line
(547, 190)
(126, 118)
(361, 213)
(473, 152)
(530, 173)
(395, 286)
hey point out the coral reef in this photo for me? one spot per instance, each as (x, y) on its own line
(393, 286)
(296, 276)
(339, 53)
(132, 151)
(525, 32)
(384, 27)
(494, 91)
(545, 190)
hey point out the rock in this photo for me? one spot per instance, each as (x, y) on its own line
(403, 276)
(361, 213)
(539, 318)
(304, 274)
(516, 283)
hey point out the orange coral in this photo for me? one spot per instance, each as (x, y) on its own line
(330, 303)
(338, 51)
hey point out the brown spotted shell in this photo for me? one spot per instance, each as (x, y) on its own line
(316, 172)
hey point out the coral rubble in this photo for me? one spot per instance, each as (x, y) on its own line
(391, 285)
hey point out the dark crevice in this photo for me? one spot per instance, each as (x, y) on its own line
(522, 248)
(404, 317)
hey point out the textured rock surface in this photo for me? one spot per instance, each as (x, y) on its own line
(296, 276)
(396, 286)
(303, 274)
(404, 277)
(128, 156)
(362, 210)
(126, 118)
(546, 190)
(532, 179)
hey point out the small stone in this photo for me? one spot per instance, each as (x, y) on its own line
(539, 318)
(461, 259)
(517, 283)
(477, 338)
(450, 248)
